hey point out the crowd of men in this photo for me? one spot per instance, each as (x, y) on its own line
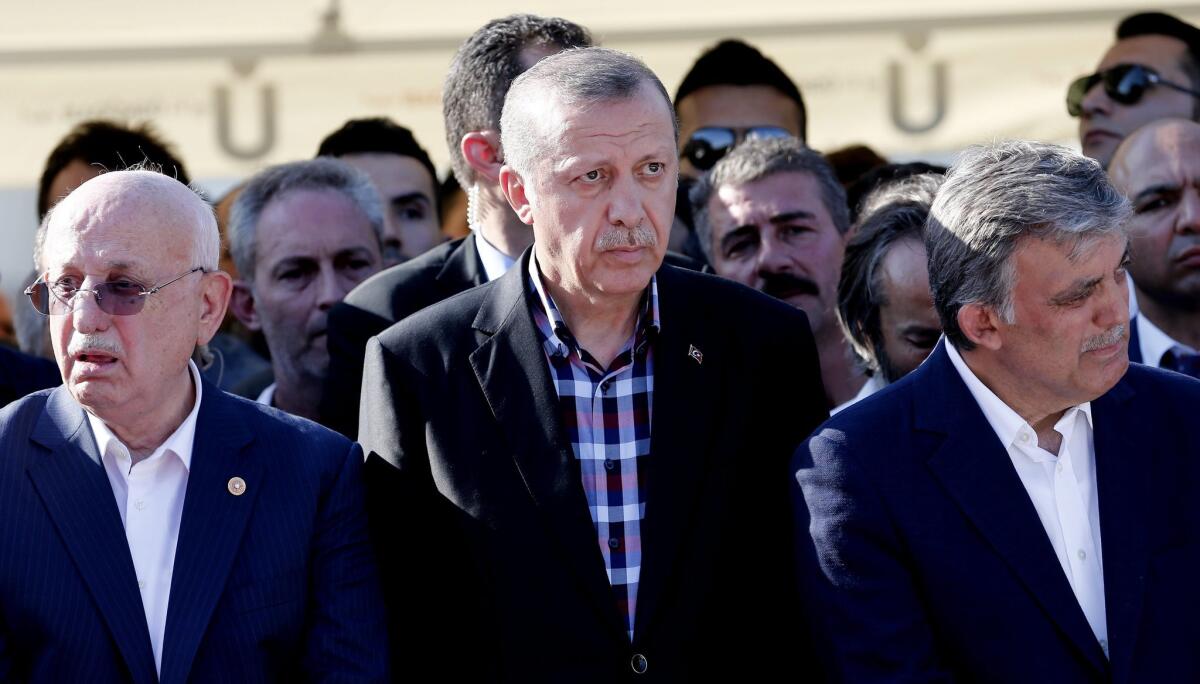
(683, 400)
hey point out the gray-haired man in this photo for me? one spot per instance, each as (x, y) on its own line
(772, 215)
(597, 492)
(1019, 507)
(302, 235)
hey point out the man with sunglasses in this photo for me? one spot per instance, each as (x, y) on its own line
(1152, 72)
(733, 92)
(152, 527)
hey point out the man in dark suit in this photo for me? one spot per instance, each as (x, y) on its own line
(478, 79)
(589, 453)
(1023, 506)
(153, 528)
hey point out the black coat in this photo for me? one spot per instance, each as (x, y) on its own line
(491, 566)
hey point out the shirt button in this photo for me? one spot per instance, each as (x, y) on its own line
(1024, 437)
(604, 385)
(1081, 554)
(638, 663)
(613, 542)
(1059, 467)
(141, 584)
(139, 504)
(1104, 646)
(609, 464)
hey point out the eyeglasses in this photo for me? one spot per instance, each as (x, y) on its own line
(707, 145)
(1124, 83)
(116, 297)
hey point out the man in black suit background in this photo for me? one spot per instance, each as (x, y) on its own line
(577, 471)
(473, 94)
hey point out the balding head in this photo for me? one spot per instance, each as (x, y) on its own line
(129, 259)
(175, 210)
(1158, 169)
(1149, 147)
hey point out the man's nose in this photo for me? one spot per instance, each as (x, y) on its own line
(1188, 218)
(773, 256)
(331, 288)
(86, 314)
(625, 202)
(1096, 102)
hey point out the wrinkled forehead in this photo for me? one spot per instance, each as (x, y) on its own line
(116, 225)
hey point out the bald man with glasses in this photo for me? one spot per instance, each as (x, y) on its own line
(152, 527)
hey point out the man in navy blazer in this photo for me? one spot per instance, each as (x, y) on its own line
(152, 527)
(1023, 506)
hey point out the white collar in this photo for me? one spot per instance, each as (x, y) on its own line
(871, 386)
(1006, 422)
(1154, 341)
(181, 440)
(495, 262)
(267, 396)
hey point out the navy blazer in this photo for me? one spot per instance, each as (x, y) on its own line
(935, 566)
(276, 584)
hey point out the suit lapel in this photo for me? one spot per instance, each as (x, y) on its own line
(1123, 481)
(976, 471)
(684, 403)
(512, 371)
(211, 529)
(1135, 343)
(78, 497)
(463, 268)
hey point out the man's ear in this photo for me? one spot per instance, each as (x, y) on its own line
(243, 307)
(981, 325)
(513, 187)
(481, 149)
(214, 299)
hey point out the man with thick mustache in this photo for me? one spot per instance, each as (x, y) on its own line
(772, 215)
(152, 527)
(578, 472)
(1023, 506)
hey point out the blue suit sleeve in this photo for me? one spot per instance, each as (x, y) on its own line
(870, 603)
(346, 637)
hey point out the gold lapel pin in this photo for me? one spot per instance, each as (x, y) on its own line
(695, 353)
(237, 486)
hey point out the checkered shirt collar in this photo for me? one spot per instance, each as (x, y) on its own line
(648, 324)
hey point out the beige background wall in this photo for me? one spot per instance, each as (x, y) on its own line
(237, 86)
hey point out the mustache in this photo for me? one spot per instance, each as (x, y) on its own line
(93, 343)
(783, 285)
(1105, 339)
(638, 236)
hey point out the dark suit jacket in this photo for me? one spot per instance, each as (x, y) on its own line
(937, 567)
(21, 374)
(377, 303)
(277, 584)
(490, 558)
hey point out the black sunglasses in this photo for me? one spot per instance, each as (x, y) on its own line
(116, 297)
(707, 145)
(1124, 83)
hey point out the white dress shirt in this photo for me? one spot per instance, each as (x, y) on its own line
(495, 262)
(1154, 342)
(1062, 489)
(150, 498)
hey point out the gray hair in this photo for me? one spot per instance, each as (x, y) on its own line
(755, 159)
(994, 197)
(891, 213)
(206, 250)
(483, 69)
(578, 77)
(322, 173)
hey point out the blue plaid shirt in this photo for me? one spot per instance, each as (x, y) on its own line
(606, 413)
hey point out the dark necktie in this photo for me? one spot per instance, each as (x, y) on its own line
(1180, 360)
